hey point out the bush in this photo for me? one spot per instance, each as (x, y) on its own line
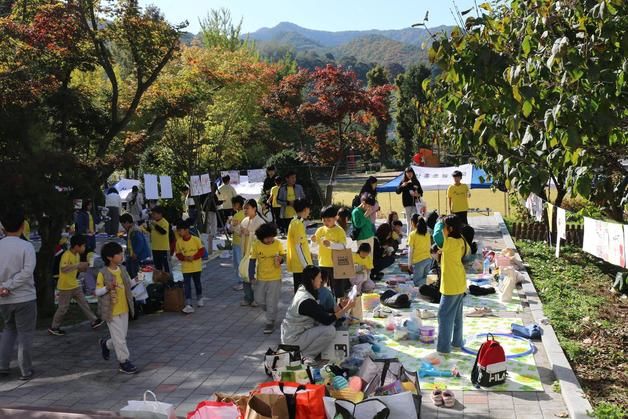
(288, 160)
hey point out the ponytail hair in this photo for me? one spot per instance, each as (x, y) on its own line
(453, 222)
(419, 222)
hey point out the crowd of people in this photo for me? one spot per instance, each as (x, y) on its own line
(255, 228)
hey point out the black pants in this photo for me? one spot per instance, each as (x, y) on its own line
(462, 215)
(339, 286)
(381, 264)
(297, 279)
(224, 214)
(160, 259)
(276, 215)
(285, 223)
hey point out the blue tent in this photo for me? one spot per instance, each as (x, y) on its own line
(476, 183)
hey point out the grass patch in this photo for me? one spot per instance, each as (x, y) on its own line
(591, 323)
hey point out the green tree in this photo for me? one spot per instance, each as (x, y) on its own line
(535, 92)
(378, 76)
(411, 115)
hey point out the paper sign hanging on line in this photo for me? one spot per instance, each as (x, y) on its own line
(195, 186)
(151, 188)
(205, 184)
(595, 240)
(165, 186)
(234, 176)
(256, 175)
(616, 245)
(561, 223)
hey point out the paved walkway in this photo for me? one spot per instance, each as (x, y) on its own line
(185, 359)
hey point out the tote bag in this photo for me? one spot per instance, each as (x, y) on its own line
(148, 409)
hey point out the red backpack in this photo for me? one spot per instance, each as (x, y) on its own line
(490, 364)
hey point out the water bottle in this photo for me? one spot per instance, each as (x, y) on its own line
(486, 267)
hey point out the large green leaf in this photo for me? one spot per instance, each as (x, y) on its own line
(527, 108)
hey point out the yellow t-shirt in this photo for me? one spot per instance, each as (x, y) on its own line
(296, 236)
(264, 255)
(420, 244)
(121, 306)
(27, 230)
(274, 191)
(367, 262)
(67, 280)
(90, 226)
(237, 219)
(396, 236)
(190, 248)
(160, 241)
(453, 276)
(290, 196)
(459, 197)
(335, 235)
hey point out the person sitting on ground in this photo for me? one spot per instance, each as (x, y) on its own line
(307, 324)
(69, 287)
(397, 234)
(383, 253)
(363, 266)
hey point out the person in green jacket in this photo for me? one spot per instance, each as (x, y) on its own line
(363, 229)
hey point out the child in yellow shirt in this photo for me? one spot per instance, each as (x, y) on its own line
(329, 237)
(299, 255)
(266, 257)
(363, 266)
(159, 230)
(419, 256)
(113, 289)
(190, 251)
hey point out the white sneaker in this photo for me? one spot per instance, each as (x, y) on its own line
(427, 314)
(188, 309)
(201, 302)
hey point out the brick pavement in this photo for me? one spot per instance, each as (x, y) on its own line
(185, 359)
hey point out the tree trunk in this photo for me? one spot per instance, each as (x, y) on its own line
(330, 186)
(50, 230)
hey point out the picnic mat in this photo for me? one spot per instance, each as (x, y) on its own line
(522, 371)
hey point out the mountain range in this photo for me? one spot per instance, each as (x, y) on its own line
(394, 49)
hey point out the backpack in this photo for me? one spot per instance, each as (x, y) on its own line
(489, 368)
(356, 201)
(355, 232)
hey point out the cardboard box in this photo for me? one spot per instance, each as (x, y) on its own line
(338, 350)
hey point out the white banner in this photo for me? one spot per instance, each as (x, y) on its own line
(595, 239)
(256, 175)
(196, 189)
(233, 174)
(165, 186)
(561, 223)
(616, 245)
(435, 178)
(205, 184)
(151, 187)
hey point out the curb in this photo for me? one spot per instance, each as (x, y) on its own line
(573, 395)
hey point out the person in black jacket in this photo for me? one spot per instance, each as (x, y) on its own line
(411, 191)
(383, 253)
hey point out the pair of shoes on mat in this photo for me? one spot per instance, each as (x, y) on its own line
(444, 398)
(480, 312)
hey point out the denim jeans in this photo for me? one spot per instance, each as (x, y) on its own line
(248, 292)
(421, 269)
(187, 286)
(236, 253)
(450, 322)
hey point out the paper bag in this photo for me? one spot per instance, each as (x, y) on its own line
(160, 277)
(343, 263)
(357, 311)
(174, 299)
(267, 406)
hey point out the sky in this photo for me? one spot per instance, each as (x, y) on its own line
(329, 15)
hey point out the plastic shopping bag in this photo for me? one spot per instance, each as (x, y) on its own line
(215, 410)
(148, 409)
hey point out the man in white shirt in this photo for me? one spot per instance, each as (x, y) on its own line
(18, 298)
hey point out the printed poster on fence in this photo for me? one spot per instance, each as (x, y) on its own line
(595, 239)
(233, 174)
(205, 184)
(616, 245)
(196, 189)
(151, 188)
(165, 185)
(256, 175)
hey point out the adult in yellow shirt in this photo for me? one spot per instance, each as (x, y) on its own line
(288, 193)
(275, 208)
(453, 283)
(329, 237)
(266, 257)
(69, 288)
(419, 255)
(458, 195)
(160, 239)
(299, 255)
(190, 251)
(113, 289)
